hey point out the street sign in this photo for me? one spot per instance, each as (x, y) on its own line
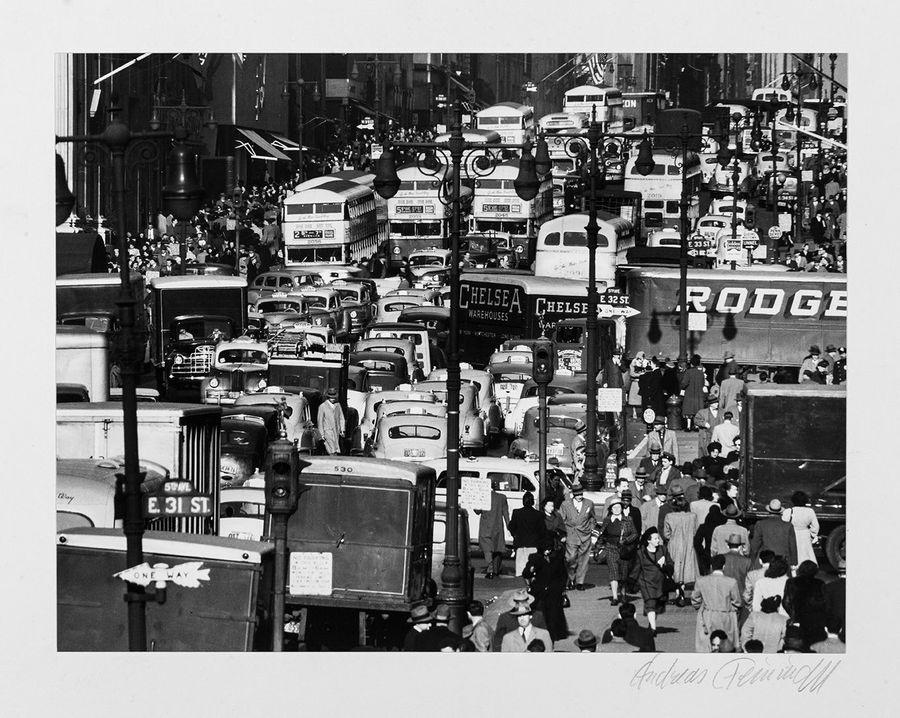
(188, 574)
(698, 242)
(607, 311)
(693, 252)
(614, 298)
(806, 176)
(734, 249)
(785, 221)
(750, 240)
(775, 232)
(377, 151)
(177, 498)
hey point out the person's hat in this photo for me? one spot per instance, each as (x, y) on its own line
(331, 393)
(442, 614)
(419, 614)
(641, 473)
(521, 609)
(731, 511)
(814, 349)
(659, 420)
(613, 501)
(586, 639)
(577, 490)
(626, 494)
(774, 507)
(655, 450)
(729, 354)
(831, 348)
(711, 399)
(699, 472)
(520, 596)
(842, 350)
(675, 491)
(732, 540)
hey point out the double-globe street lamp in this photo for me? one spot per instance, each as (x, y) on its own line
(182, 195)
(475, 160)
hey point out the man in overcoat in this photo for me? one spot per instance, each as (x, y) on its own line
(775, 534)
(491, 538)
(578, 516)
(716, 599)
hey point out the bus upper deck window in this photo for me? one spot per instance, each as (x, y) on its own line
(575, 239)
(672, 206)
(552, 239)
(653, 204)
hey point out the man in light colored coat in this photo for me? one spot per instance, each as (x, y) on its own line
(578, 516)
(517, 641)
(330, 421)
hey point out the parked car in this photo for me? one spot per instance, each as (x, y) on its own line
(385, 370)
(239, 367)
(408, 437)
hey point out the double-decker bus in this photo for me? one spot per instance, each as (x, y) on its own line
(335, 221)
(561, 249)
(417, 218)
(497, 208)
(513, 121)
(607, 101)
(475, 137)
(365, 179)
(639, 109)
(661, 189)
(560, 129)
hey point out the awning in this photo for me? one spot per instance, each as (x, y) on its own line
(259, 148)
(281, 142)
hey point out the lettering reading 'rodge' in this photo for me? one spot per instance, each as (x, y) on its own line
(769, 301)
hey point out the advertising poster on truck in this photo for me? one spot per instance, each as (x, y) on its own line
(766, 318)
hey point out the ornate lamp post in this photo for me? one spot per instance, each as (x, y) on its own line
(115, 142)
(478, 163)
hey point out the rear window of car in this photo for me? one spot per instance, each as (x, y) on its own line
(411, 431)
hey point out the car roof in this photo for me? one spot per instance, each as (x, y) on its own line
(413, 420)
(379, 356)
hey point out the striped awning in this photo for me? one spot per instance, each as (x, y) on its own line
(257, 147)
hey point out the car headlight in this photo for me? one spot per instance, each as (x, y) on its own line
(318, 322)
(519, 249)
(179, 359)
(213, 383)
(353, 315)
(396, 250)
(262, 384)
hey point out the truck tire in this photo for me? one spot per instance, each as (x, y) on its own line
(836, 546)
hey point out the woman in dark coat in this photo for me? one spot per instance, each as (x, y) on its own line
(693, 389)
(553, 522)
(703, 538)
(619, 537)
(548, 575)
(654, 570)
(805, 602)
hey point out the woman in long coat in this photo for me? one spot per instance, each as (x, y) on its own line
(553, 523)
(806, 526)
(679, 528)
(693, 389)
(637, 367)
(653, 571)
(548, 575)
(703, 537)
(619, 536)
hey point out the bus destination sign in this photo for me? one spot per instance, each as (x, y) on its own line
(410, 209)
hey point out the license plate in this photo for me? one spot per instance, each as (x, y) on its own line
(556, 450)
(417, 453)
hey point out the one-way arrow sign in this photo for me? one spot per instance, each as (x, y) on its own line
(608, 311)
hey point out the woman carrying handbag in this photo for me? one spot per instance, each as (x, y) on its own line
(618, 539)
(655, 576)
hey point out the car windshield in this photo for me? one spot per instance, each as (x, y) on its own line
(318, 302)
(280, 306)
(562, 422)
(202, 329)
(350, 294)
(242, 356)
(398, 306)
(511, 377)
(426, 260)
(234, 509)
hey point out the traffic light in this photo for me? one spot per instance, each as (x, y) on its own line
(542, 361)
(282, 477)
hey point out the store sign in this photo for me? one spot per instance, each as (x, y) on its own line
(768, 301)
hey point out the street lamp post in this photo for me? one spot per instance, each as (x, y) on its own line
(115, 141)
(479, 162)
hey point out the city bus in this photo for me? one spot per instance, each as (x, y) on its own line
(607, 100)
(771, 94)
(639, 109)
(331, 223)
(513, 121)
(417, 218)
(497, 208)
(560, 129)
(561, 249)
(365, 179)
(476, 137)
(499, 305)
(787, 138)
(661, 189)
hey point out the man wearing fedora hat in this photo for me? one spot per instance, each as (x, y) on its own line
(440, 637)
(808, 365)
(586, 642)
(775, 534)
(721, 534)
(330, 422)
(506, 621)
(478, 631)
(705, 421)
(661, 438)
(420, 619)
(577, 514)
(716, 599)
(737, 565)
(640, 488)
(517, 640)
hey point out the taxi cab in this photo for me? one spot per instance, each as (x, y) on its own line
(432, 294)
(238, 367)
(426, 260)
(385, 370)
(408, 437)
(764, 163)
(358, 300)
(521, 355)
(512, 478)
(509, 380)
(274, 310)
(483, 381)
(268, 283)
(668, 237)
(471, 424)
(374, 400)
(401, 347)
(563, 425)
(709, 225)
(427, 354)
(724, 206)
(298, 422)
(390, 306)
(327, 300)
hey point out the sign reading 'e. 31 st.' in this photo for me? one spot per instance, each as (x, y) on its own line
(177, 499)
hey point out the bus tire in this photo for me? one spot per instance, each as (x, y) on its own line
(836, 546)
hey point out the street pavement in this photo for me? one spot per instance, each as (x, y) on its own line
(590, 608)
